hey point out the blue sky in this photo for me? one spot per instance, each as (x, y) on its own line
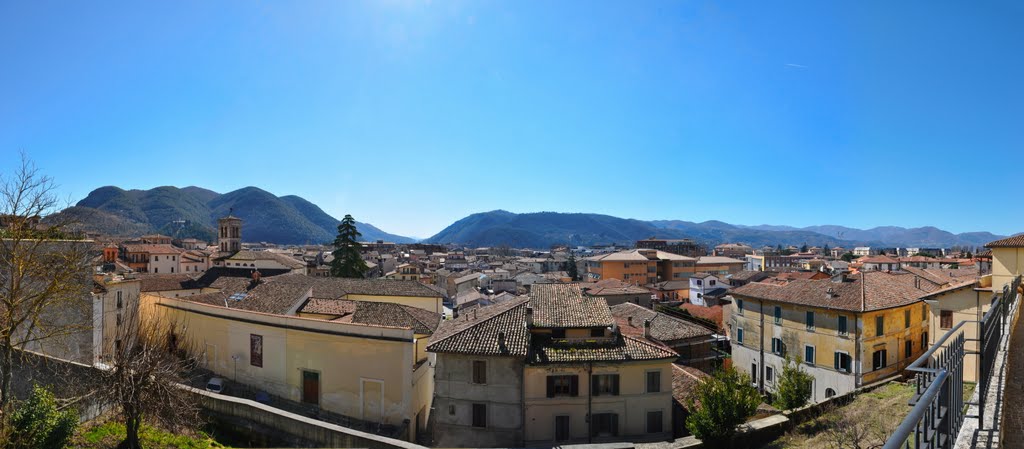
(411, 114)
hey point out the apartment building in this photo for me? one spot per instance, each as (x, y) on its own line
(640, 266)
(847, 331)
(549, 369)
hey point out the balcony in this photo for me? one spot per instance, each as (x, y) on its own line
(939, 417)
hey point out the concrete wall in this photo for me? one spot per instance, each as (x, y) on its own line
(1007, 263)
(455, 393)
(966, 304)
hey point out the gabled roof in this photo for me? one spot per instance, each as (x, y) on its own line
(252, 256)
(663, 327)
(710, 260)
(499, 329)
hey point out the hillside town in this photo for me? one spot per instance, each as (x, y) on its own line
(453, 346)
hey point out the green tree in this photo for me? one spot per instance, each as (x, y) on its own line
(348, 262)
(719, 404)
(39, 423)
(826, 250)
(574, 272)
(794, 386)
(847, 257)
(803, 248)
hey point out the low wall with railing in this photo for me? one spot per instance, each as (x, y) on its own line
(245, 412)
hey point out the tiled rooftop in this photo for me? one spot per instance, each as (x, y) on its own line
(865, 291)
(565, 306)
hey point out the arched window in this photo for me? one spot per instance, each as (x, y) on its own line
(829, 392)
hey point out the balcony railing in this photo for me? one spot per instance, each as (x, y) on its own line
(938, 406)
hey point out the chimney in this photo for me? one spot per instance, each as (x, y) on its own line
(501, 339)
(256, 276)
(647, 329)
(629, 320)
(529, 316)
(829, 293)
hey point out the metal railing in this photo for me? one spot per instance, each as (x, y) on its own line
(938, 405)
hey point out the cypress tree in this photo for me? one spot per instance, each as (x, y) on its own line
(348, 263)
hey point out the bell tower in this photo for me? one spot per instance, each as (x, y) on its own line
(230, 234)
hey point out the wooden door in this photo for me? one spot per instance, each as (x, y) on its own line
(311, 387)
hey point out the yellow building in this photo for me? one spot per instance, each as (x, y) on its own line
(964, 300)
(549, 369)
(350, 346)
(847, 331)
(1007, 260)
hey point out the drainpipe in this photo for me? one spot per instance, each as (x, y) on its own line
(590, 403)
(760, 368)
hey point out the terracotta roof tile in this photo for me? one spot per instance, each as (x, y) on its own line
(565, 306)
(663, 327)
(480, 332)
(623, 349)
(873, 290)
(1016, 241)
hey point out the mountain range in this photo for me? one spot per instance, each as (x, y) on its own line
(193, 212)
(543, 229)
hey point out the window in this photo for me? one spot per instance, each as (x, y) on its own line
(739, 307)
(906, 318)
(778, 348)
(769, 374)
(924, 313)
(712, 282)
(879, 326)
(739, 335)
(156, 258)
(810, 321)
(119, 319)
(908, 349)
(604, 385)
(479, 372)
(605, 425)
(654, 381)
(479, 415)
(119, 303)
(829, 393)
(842, 362)
(156, 269)
(924, 339)
(700, 282)
(256, 350)
(654, 422)
(753, 373)
(809, 354)
(557, 333)
(598, 331)
(564, 385)
(172, 269)
(778, 315)
(878, 359)
(946, 319)
(842, 325)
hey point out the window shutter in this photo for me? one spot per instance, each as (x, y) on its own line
(551, 386)
(615, 424)
(575, 386)
(615, 385)
(594, 390)
(837, 361)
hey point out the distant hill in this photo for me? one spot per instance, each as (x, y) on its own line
(193, 212)
(924, 237)
(543, 229)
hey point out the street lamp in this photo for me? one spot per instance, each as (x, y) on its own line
(235, 358)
